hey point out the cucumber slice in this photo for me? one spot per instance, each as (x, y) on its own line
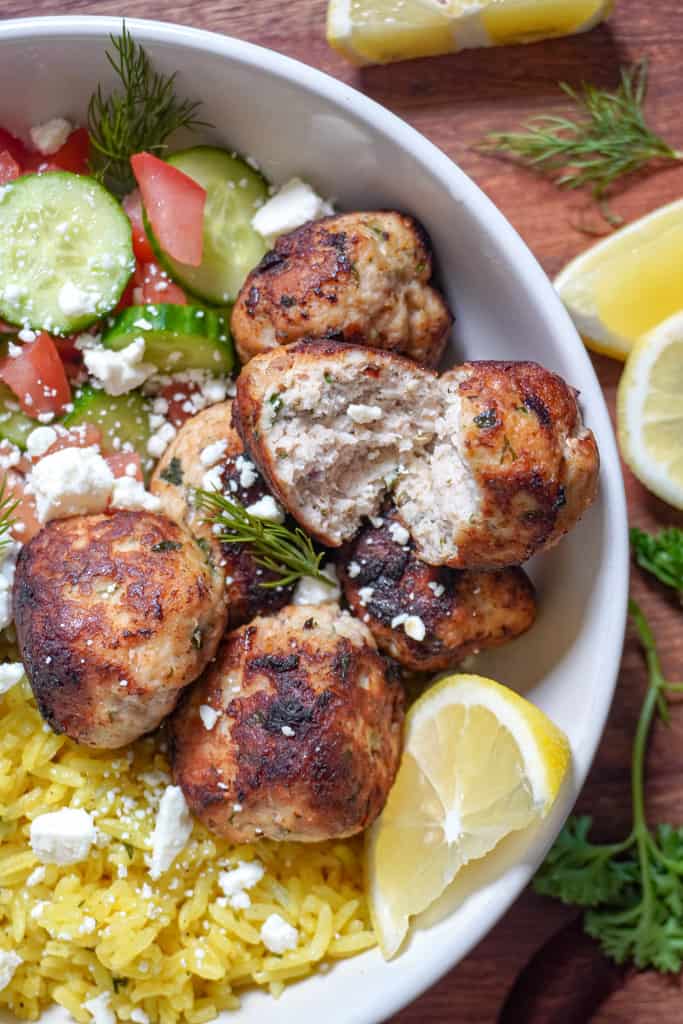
(65, 252)
(122, 419)
(232, 248)
(176, 337)
(15, 426)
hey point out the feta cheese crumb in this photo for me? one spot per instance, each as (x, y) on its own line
(234, 883)
(364, 413)
(100, 1010)
(413, 626)
(9, 961)
(437, 589)
(131, 494)
(365, 594)
(75, 301)
(213, 479)
(39, 440)
(287, 731)
(10, 674)
(172, 829)
(209, 716)
(159, 441)
(71, 482)
(353, 570)
(247, 471)
(293, 205)
(267, 508)
(51, 135)
(119, 372)
(399, 533)
(277, 935)
(213, 453)
(309, 590)
(62, 837)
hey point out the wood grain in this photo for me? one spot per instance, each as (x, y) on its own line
(455, 101)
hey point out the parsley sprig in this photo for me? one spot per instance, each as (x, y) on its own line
(140, 116)
(288, 553)
(632, 890)
(661, 554)
(608, 141)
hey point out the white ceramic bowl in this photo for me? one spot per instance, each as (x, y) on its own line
(295, 120)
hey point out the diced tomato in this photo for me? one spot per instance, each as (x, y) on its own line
(25, 512)
(177, 395)
(128, 297)
(15, 147)
(175, 206)
(7, 328)
(120, 462)
(9, 168)
(74, 154)
(86, 435)
(156, 286)
(142, 247)
(37, 377)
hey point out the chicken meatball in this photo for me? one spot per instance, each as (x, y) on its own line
(353, 277)
(208, 453)
(429, 618)
(294, 732)
(115, 614)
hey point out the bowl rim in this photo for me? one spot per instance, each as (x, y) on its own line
(409, 985)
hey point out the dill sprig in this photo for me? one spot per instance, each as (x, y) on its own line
(8, 505)
(610, 141)
(141, 116)
(288, 553)
(661, 554)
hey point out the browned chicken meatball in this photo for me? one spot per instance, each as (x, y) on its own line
(429, 618)
(294, 732)
(208, 446)
(115, 614)
(353, 277)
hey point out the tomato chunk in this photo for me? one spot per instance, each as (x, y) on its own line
(156, 286)
(25, 515)
(9, 168)
(15, 147)
(37, 377)
(175, 207)
(120, 464)
(75, 153)
(142, 247)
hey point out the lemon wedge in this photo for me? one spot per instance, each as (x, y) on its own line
(380, 31)
(628, 283)
(650, 410)
(479, 762)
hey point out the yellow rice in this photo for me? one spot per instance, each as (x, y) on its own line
(174, 948)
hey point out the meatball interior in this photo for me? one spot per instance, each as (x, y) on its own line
(115, 614)
(294, 732)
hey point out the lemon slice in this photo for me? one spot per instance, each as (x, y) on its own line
(380, 31)
(627, 284)
(479, 762)
(650, 410)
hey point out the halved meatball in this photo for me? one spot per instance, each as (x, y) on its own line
(294, 732)
(115, 614)
(429, 618)
(361, 277)
(190, 458)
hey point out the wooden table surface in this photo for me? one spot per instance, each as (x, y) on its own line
(454, 101)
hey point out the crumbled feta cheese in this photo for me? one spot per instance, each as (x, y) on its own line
(172, 829)
(10, 674)
(287, 731)
(353, 570)
(71, 482)
(100, 1010)
(39, 440)
(208, 715)
(63, 837)
(119, 372)
(213, 479)
(26, 334)
(399, 533)
(131, 494)
(309, 590)
(293, 205)
(413, 626)
(267, 508)
(365, 595)
(9, 961)
(51, 135)
(75, 301)
(247, 471)
(277, 935)
(234, 883)
(364, 413)
(437, 589)
(213, 453)
(160, 440)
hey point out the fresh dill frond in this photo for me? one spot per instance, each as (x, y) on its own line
(661, 554)
(288, 553)
(8, 505)
(610, 141)
(140, 116)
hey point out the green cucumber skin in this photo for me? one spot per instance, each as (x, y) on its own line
(15, 426)
(130, 412)
(201, 335)
(198, 281)
(109, 230)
